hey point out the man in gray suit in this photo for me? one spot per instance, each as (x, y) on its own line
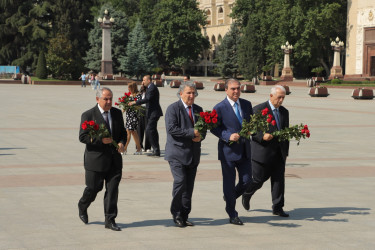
(183, 151)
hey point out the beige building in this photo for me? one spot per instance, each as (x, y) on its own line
(218, 24)
(360, 39)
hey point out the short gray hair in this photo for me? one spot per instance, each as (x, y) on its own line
(230, 80)
(99, 92)
(185, 85)
(274, 89)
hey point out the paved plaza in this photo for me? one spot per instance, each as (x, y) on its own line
(330, 179)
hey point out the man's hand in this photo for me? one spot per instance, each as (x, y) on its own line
(196, 133)
(267, 137)
(234, 137)
(197, 139)
(131, 103)
(107, 140)
(121, 148)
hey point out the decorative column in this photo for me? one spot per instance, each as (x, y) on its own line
(336, 70)
(287, 73)
(106, 24)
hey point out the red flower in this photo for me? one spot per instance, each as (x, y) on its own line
(91, 123)
(116, 103)
(84, 126)
(214, 120)
(269, 120)
(308, 135)
(208, 120)
(201, 114)
(270, 116)
(96, 127)
(273, 123)
(303, 131)
(264, 111)
(307, 131)
(306, 127)
(135, 99)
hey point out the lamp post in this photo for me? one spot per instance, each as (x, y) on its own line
(287, 73)
(336, 70)
(106, 24)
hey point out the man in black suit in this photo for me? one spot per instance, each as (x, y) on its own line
(102, 161)
(269, 155)
(183, 151)
(153, 113)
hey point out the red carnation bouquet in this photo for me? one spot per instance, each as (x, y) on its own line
(258, 122)
(123, 103)
(297, 132)
(97, 131)
(206, 121)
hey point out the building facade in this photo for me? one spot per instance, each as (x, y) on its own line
(218, 24)
(360, 40)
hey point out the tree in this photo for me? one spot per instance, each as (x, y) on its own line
(24, 31)
(309, 25)
(41, 69)
(71, 18)
(140, 58)
(119, 40)
(59, 57)
(227, 53)
(176, 36)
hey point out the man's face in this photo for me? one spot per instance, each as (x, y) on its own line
(146, 81)
(233, 91)
(278, 98)
(105, 102)
(186, 79)
(188, 95)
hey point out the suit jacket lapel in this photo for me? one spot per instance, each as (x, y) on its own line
(184, 113)
(230, 111)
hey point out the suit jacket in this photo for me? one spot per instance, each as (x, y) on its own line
(265, 151)
(229, 124)
(152, 101)
(180, 132)
(98, 156)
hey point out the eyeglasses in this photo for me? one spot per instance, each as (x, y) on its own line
(107, 99)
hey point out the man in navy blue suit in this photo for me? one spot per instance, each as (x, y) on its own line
(234, 151)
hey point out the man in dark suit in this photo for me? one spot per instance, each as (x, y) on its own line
(269, 155)
(102, 161)
(183, 151)
(234, 151)
(153, 113)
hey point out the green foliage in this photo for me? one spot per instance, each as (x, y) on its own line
(41, 69)
(309, 25)
(336, 81)
(139, 58)
(227, 61)
(59, 57)
(176, 36)
(317, 70)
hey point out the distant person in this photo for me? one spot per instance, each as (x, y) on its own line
(142, 124)
(269, 155)
(153, 113)
(234, 151)
(102, 161)
(183, 151)
(163, 79)
(97, 83)
(83, 79)
(132, 119)
(186, 78)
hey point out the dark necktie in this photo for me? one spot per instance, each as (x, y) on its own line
(191, 116)
(105, 116)
(277, 118)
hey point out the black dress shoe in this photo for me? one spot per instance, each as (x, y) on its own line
(155, 154)
(280, 213)
(112, 225)
(83, 215)
(179, 222)
(235, 221)
(246, 201)
(189, 223)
